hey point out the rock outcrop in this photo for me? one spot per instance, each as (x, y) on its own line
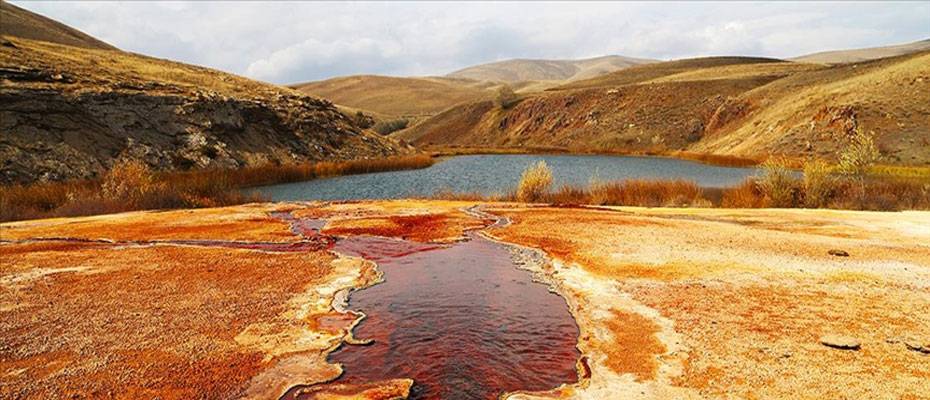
(69, 112)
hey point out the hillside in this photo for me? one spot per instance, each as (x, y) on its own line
(523, 70)
(737, 106)
(68, 112)
(25, 24)
(396, 97)
(857, 55)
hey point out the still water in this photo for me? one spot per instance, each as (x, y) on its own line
(490, 174)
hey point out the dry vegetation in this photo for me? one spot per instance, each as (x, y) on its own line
(130, 185)
(777, 187)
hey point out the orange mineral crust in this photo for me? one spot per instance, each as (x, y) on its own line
(741, 300)
(251, 301)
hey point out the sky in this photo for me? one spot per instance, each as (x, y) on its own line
(289, 42)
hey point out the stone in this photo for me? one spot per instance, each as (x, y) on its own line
(917, 346)
(838, 253)
(840, 342)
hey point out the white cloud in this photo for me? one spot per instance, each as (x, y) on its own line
(291, 41)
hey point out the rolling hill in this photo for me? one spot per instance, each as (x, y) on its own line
(736, 106)
(524, 70)
(69, 112)
(28, 25)
(396, 97)
(857, 55)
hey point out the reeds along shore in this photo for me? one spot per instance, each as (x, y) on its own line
(776, 187)
(130, 185)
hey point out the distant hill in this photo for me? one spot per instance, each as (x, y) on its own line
(28, 25)
(69, 112)
(737, 106)
(524, 70)
(396, 97)
(857, 55)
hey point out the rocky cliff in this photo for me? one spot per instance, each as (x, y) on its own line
(68, 112)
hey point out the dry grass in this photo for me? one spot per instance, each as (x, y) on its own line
(778, 183)
(840, 193)
(535, 183)
(635, 192)
(717, 159)
(131, 186)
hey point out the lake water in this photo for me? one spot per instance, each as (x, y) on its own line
(490, 174)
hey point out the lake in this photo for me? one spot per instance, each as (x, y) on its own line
(498, 173)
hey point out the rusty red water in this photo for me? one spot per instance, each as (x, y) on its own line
(461, 320)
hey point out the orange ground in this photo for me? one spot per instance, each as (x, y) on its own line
(671, 303)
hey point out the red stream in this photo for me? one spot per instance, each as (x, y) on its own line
(461, 320)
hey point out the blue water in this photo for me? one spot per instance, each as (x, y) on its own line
(490, 174)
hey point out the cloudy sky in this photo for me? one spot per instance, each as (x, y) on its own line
(293, 41)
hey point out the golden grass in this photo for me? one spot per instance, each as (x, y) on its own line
(130, 187)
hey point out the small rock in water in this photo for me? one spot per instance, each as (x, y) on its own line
(838, 253)
(917, 346)
(840, 342)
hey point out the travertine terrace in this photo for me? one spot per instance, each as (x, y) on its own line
(670, 303)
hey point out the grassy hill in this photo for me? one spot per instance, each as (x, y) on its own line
(523, 70)
(70, 112)
(25, 24)
(734, 106)
(396, 97)
(857, 55)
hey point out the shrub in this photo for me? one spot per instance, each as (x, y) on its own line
(388, 127)
(817, 183)
(506, 97)
(363, 121)
(778, 183)
(535, 183)
(859, 155)
(128, 181)
(745, 195)
(649, 193)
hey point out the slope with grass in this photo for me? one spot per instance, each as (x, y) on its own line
(70, 112)
(25, 24)
(872, 53)
(730, 106)
(524, 70)
(396, 97)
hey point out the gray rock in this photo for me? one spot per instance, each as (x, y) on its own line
(840, 342)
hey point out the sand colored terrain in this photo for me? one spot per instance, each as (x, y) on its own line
(871, 53)
(671, 303)
(527, 70)
(394, 97)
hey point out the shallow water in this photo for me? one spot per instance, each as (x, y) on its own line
(490, 174)
(460, 319)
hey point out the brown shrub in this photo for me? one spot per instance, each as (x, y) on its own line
(534, 183)
(817, 183)
(651, 193)
(745, 195)
(778, 183)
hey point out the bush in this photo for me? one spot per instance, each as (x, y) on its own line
(363, 121)
(128, 181)
(535, 183)
(860, 155)
(778, 183)
(506, 97)
(817, 184)
(746, 195)
(388, 127)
